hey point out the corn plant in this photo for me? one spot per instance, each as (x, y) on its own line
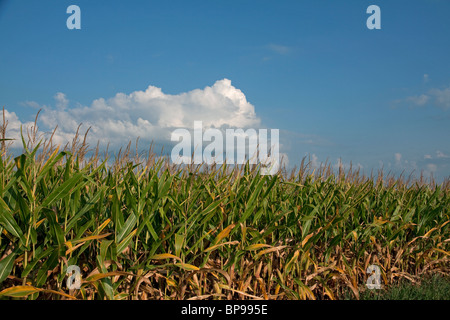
(143, 228)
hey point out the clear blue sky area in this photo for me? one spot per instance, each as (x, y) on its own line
(312, 69)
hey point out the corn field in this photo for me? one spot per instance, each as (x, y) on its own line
(143, 228)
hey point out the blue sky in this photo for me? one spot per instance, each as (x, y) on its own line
(312, 69)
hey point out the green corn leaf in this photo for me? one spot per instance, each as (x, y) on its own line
(62, 191)
(6, 266)
(9, 223)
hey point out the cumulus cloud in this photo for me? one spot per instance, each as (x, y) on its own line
(437, 164)
(314, 161)
(437, 97)
(61, 101)
(150, 114)
(403, 164)
(14, 124)
(419, 100)
(442, 97)
(440, 155)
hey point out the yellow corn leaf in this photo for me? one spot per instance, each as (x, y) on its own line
(307, 238)
(429, 232)
(59, 293)
(99, 276)
(257, 246)
(224, 233)
(328, 292)
(100, 236)
(103, 225)
(220, 245)
(19, 291)
(163, 256)
(268, 251)
(188, 267)
(294, 257)
(305, 292)
(226, 287)
(171, 282)
(442, 251)
(71, 248)
(277, 289)
(40, 222)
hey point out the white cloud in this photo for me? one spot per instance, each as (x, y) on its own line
(31, 104)
(13, 128)
(442, 97)
(403, 164)
(419, 100)
(438, 97)
(315, 162)
(440, 154)
(61, 101)
(13, 122)
(280, 49)
(426, 78)
(150, 115)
